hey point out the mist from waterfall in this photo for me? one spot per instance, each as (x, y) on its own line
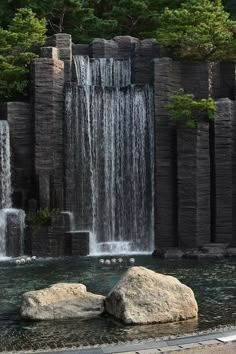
(109, 156)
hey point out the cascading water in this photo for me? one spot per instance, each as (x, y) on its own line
(5, 166)
(6, 211)
(5, 183)
(109, 156)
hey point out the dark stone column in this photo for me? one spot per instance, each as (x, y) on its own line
(102, 48)
(145, 51)
(196, 78)
(20, 120)
(233, 107)
(63, 43)
(193, 186)
(49, 111)
(39, 241)
(57, 235)
(227, 80)
(79, 243)
(223, 171)
(166, 80)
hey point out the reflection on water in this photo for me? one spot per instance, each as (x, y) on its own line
(214, 284)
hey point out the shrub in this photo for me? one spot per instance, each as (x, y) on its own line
(187, 111)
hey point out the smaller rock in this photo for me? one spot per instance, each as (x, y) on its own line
(61, 301)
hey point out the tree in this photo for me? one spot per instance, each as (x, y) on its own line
(199, 29)
(24, 32)
(88, 19)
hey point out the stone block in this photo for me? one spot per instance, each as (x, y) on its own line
(194, 215)
(166, 73)
(223, 184)
(48, 75)
(79, 242)
(20, 119)
(49, 52)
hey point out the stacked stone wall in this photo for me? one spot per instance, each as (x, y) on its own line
(19, 116)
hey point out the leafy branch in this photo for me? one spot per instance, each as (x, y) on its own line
(187, 111)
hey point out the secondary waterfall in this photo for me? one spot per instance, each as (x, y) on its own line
(10, 219)
(109, 156)
(5, 166)
(5, 182)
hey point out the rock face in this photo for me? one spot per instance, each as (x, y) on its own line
(61, 301)
(143, 297)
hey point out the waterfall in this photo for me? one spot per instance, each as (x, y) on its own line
(5, 182)
(109, 156)
(103, 71)
(11, 220)
(3, 227)
(5, 166)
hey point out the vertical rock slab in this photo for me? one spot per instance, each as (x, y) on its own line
(48, 75)
(166, 81)
(20, 121)
(223, 152)
(144, 52)
(193, 186)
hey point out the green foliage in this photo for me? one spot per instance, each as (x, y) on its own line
(88, 19)
(187, 111)
(24, 32)
(43, 217)
(199, 29)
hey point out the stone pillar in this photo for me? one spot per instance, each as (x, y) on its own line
(233, 106)
(223, 153)
(144, 52)
(79, 242)
(20, 120)
(196, 78)
(227, 82)
(193, 186)
(102, 48)
(63, 43)
(56, 235)
(166, 81)
(48, 74)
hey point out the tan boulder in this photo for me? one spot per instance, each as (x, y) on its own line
(61, 301)
(143, 297)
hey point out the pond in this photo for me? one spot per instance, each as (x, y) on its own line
(213, 282)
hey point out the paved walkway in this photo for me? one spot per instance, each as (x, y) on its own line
(219, 342)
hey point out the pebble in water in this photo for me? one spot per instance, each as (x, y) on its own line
(101, 261)
(107, 261)
(132, 260)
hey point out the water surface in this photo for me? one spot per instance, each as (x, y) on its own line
(214, 284)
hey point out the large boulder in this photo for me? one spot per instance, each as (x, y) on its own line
(143, 297)
(61, 301)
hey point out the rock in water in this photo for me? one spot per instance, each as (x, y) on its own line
(61, 301)
(143, 297)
